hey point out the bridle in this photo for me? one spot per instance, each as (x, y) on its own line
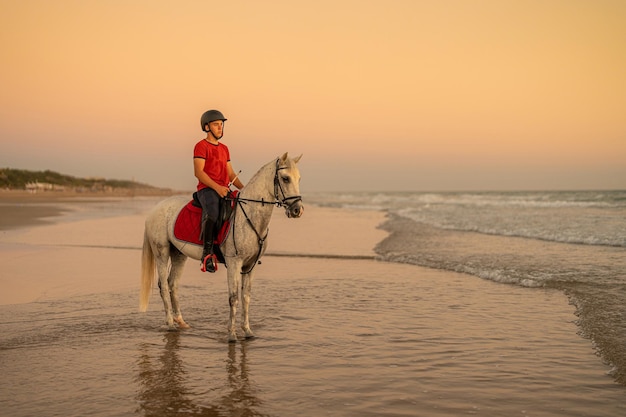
(285, 201)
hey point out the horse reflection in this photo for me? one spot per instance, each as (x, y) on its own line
(163, 384)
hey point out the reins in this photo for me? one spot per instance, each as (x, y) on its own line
(284, 202)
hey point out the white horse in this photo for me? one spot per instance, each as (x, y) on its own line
(276, 183)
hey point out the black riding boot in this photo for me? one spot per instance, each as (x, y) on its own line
(209, 260)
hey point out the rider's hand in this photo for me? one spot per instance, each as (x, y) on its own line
(222, 191)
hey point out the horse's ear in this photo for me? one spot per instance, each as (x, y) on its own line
(284, 157)
(297, 159)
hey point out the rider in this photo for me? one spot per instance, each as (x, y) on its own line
(211, 165)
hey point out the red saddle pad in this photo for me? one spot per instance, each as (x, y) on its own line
(188, 227)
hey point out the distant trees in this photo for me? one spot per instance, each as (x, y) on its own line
(20, 179)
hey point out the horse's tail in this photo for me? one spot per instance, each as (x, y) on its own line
(147, 273)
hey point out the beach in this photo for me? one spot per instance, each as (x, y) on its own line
(339, 332)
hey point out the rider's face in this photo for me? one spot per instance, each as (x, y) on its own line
(216, 128)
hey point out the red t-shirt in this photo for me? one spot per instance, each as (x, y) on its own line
(215, 159)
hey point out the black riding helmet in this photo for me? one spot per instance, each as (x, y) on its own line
(210, 116)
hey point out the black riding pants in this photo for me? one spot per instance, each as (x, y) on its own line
(210, 202)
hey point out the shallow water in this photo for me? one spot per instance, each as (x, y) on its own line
(573, 241)
(350, 338)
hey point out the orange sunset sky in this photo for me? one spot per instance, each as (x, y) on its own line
(396, 95)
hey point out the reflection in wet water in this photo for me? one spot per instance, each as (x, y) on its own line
(167, 388)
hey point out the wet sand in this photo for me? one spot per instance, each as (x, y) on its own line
(17, 210)
(340, 335)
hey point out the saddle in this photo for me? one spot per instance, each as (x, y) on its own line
(188, 225)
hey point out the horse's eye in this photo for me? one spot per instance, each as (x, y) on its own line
(286, 180)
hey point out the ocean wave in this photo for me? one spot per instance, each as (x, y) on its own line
(596, 218)
(501, 276)
(497, 257)
(574, 226)
(554, 199)
(550, 233)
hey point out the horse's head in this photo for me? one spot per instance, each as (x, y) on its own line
(287, 185)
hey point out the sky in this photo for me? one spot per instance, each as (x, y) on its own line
(402, 95)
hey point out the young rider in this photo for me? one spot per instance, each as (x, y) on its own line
(211, 164)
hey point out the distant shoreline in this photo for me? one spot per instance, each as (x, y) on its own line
(24, 196)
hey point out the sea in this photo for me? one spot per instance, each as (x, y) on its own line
(418, 327)
(572, 241)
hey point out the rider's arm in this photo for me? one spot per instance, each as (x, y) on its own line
(198, 171)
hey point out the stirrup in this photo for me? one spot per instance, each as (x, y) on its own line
(209, 263)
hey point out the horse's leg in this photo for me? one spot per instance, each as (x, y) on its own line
(234, 283)
(162, 254)
(178, 264)
(246, 287)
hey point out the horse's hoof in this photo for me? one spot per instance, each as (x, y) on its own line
(181, 323)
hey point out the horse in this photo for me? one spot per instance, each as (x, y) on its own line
(275, 184)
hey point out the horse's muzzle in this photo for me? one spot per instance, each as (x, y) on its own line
(295, 209)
